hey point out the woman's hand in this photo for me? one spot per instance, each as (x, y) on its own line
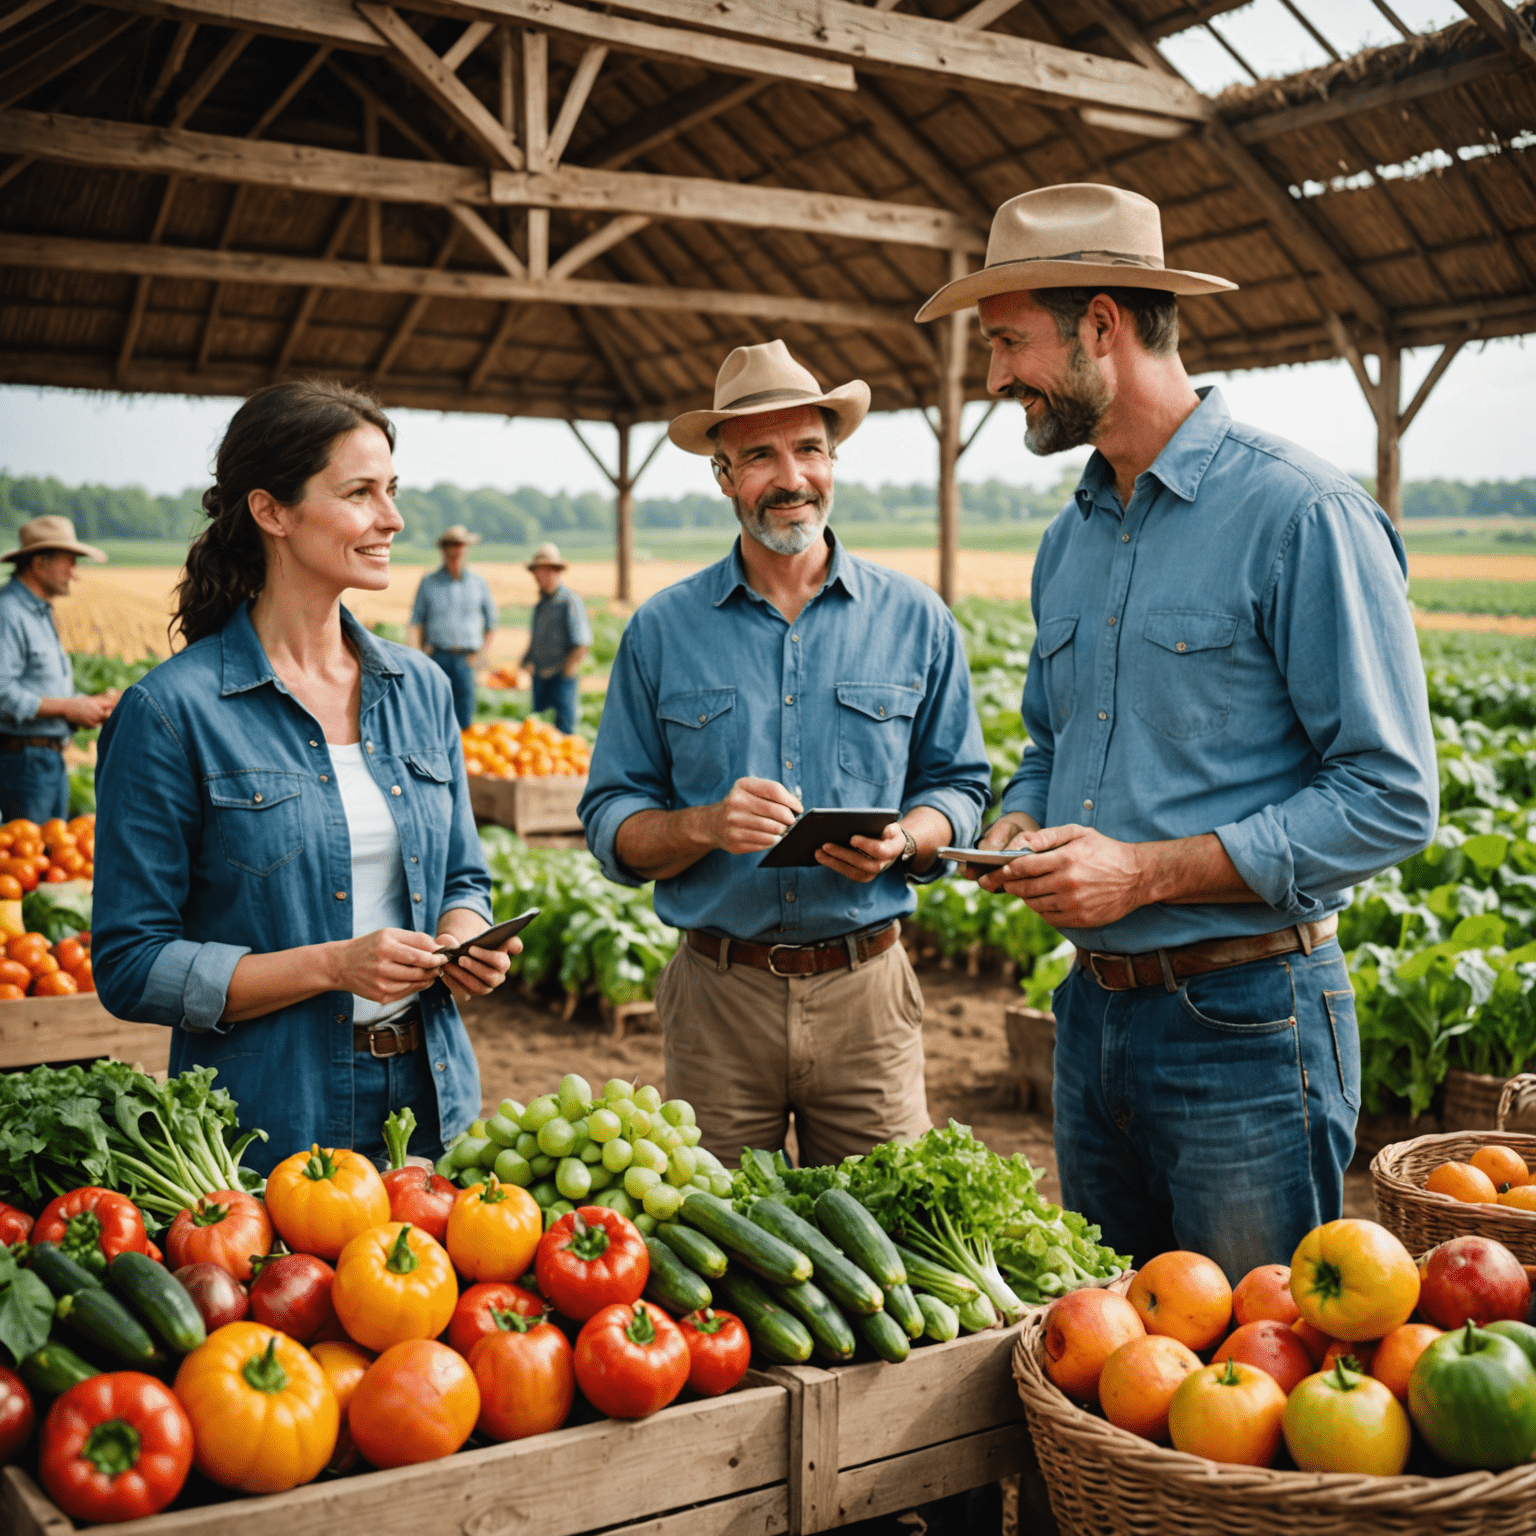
(484, 969)
(387, 965)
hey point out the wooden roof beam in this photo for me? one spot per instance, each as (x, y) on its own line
(56, 58)
(675, 116)
(1507, 29)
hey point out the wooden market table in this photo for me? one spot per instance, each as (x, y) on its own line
(79, 1028)
(537, 806)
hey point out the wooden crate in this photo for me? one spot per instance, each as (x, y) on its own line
(1031, 1052)
(529, 805)
(711, 1468)
(35, 1029)
(875, 1439)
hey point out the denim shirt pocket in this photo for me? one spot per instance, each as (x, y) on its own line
(701, 729)
(874, 730)
(259, 816)
(1183, 674)
(1054, 652)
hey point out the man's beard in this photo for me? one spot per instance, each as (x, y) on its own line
(781, 538)
(1069, 416)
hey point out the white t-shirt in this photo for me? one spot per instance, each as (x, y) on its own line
(378, 877)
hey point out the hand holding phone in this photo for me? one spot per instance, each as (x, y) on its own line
(491, 938)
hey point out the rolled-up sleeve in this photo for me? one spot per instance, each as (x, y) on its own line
(147, 803)
(1337, 618)
(631, 770)
(578, 625)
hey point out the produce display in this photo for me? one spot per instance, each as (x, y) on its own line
(1496, 1175)
(53, 852)
(1352, 1359)
(34, 967)
(532, 749)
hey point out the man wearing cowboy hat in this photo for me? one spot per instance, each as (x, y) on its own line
(559, 638)
(39, 708)
(1228, 728)
(789, 674)
(454, 617)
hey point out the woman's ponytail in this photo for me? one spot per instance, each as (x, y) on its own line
(281, 437)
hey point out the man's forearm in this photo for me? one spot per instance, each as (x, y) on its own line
(1186, 871)
(930, 830)
(657, 845)
(574, 658)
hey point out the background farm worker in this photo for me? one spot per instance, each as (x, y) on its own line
(39, 708)
(454, 617)
(286, 839)
(789, 674)
(559, 638)
(1228, 728)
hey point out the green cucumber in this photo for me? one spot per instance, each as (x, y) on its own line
(159, 1298)
(745, 1241)
(672, 1285)
(941, 1323)
(836, 1274)
(54, 1369)
(885, 1336)
(701, 1254)
(101, 1319)
(902, 1305)
(948, 1286)
(858, 1234)
(776, 1334)
(60, 1273)
(828, 1327)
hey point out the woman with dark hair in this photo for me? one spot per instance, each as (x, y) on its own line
(285, 839)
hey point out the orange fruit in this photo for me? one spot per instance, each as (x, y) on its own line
(10, 992)
(1138, 1382)
(1313, 1337)
(1503, 1165)
(1184, 1295)
(1229, 1412)
(85, 977)
(69, 953)
(10, 888)
(24, 944)
(1461, 1181)
(19, 826)
(14, 972)
(55, 876)
(41, 963)
(27, 847)
(1521, 1198)
(1263, 1293)
(55, 826)
(1393, 1361)
(55, 984)
(1082, 1330)
(1272, 1347)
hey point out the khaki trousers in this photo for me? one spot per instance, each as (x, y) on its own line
(843, 1050)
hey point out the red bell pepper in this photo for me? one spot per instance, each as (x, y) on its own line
(16, 1414)
(590, 1259)
(14, 1225)
(92, 1226)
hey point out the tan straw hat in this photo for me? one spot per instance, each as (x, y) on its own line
(43, 534)
(546, 554)
(1072, 236)
(457, 533)
(754, 380)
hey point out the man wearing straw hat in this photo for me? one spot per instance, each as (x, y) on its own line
(789, 674)
(454, 617)
(559, 636)
(1228, 728)
(39, 708)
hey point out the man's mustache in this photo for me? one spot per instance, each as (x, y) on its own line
(1025, 393)
(783, 498)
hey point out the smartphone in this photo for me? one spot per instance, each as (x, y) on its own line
(494, 937)
(993, 858)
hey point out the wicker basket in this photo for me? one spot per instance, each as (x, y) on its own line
(1420, 1219)
(1471, 1100)
(1105, 1481)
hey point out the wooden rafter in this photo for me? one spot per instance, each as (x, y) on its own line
(311, 295)
(1504, 26)
(677, 115)
(413, 311)
(53, 60)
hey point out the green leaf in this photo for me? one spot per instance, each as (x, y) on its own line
(26, 1314)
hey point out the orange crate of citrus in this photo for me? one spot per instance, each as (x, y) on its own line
(32, 967)
(526, 749)
(57, 850)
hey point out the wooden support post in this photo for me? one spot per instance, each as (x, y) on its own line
(951, 404)
(624, 522)
(536, 141)
(1389, 459)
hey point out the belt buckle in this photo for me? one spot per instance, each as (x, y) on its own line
(773, 949)
(1094, 956)
(397, 1030)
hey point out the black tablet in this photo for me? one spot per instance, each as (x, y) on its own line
(797, 848)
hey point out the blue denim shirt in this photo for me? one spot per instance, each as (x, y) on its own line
(33, 664)
(1232, 653)
(222, 833)
(865, 700)
(454, 614)
(560, 624)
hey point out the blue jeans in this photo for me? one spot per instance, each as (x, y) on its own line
(559, 694)
(380, 1086)
(1218, 1118)
(33, 784)
(461, 676)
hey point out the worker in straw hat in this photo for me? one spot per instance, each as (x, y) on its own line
(788, 674)
(454, 618)
(559, 637)
(1228, 728)
(39, 708)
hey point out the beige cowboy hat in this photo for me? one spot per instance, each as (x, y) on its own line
(753, 380)
(547, 554)
(1072, 236)
(457, 533)
(51, 533)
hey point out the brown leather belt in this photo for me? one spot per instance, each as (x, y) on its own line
(795, 959)
(1168, 967)
(397, 1037)
(21, 743)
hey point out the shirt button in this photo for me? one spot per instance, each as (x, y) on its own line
(341, 895)
(1125, 538)
(787, 763)
(442, 1066)
(795, 638)
(257, 799)
(394, 789)
(703, 718)
(789, 698)
(882, 711)
(415, 895)
(789, 895)
(414, 859)
(325, 778)
(341, 1018)
(1103, 715)
(1111, 619)
(370, 748)
(1181, 646)
(314, 743)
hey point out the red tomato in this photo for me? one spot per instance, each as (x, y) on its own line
(526, 1380)
(631, 1361)
(229, 1228)
(590, 1259)
(116, 1447)
(85, 976)
(292, 1293)
(488, 1308)
(719, 1351)
(16, 1414)
(417, 1402)
(422, 1198)
(14, 1225)
(92, 1226)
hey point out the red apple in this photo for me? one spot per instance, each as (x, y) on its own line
(1272, 1347)
(1473, 1278)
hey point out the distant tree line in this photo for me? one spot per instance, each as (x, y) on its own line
(526, 516)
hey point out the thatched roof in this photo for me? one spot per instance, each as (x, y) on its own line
(117, 274)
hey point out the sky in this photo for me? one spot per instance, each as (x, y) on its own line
(1476, 425)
